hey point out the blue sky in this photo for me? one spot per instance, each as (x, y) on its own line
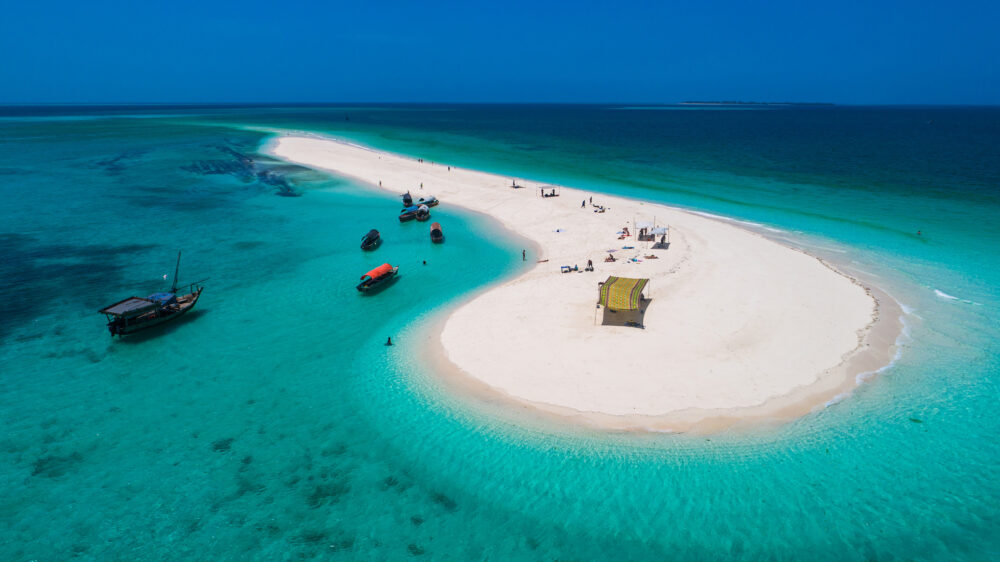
(516, 51)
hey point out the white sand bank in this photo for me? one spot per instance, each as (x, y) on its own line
(739, 327)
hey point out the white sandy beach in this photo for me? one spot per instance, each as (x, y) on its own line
(738, 326)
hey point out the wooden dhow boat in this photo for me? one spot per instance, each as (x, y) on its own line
(136, 313)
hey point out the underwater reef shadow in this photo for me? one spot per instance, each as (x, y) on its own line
(40, 277)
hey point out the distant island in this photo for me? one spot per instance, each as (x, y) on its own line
(751, 103)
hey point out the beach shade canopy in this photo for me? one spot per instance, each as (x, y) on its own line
(659, 230)
(621, 293)
(644, 225)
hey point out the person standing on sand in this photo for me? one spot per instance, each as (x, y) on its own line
(583, 203)
(524, 255)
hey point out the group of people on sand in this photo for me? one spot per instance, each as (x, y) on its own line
(567, 269)
(597, 208)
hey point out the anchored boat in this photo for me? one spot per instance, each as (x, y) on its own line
(429, 200)
(371, 240)
(408, 213)
(137, 313)
(437, 236)
(407, 199)
(377, 278)
(423, 213)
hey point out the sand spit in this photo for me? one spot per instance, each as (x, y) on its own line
(738, 328)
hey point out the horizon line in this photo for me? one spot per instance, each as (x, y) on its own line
(429, 103)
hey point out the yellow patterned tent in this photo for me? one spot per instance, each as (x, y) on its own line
(622, 293)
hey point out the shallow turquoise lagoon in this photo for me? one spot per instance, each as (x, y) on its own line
(273, 424)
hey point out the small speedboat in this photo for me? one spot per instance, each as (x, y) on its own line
(429, 200)
(408, 213)
(407, 199)
(423, 213)
(436, 235)
(377, 278)
(371, 240)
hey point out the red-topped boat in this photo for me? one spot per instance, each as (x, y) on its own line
(377, 278)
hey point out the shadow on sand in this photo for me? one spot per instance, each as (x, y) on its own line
(631, 318)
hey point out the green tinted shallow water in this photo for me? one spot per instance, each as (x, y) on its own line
(273, 423)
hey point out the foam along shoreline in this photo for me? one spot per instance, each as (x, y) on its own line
(738, 329)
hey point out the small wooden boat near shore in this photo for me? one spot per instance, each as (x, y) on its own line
(408, 213)
(136, 313)
(377, 278)
(437, 236)
(371, 240)
(423, 213)
(428, 200)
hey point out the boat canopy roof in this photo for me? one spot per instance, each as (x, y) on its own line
(371, 233)
(379, 271)
(435, 226)
(130, 307)
(410, 209)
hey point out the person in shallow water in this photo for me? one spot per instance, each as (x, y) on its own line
(388, 342)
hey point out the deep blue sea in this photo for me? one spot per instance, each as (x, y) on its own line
(271, 423)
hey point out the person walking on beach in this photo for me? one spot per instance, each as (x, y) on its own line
(583, 203)
(524, 255)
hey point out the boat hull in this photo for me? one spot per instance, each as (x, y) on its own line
(376, 284)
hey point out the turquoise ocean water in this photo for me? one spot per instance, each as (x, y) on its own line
(272, 423)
